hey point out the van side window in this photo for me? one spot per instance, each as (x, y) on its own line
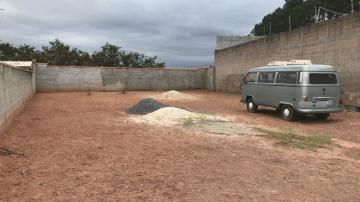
(251, 77)
(287, 77)
(267, 77)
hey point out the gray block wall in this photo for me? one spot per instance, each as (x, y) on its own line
(72, 78)
(210, 79)
(67, 78)
(335, 42)
(16, 87)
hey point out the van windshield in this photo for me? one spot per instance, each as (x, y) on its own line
(322, 78)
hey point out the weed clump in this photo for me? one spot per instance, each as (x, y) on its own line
(292, 139)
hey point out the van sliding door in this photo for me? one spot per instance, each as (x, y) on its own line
(265, 91)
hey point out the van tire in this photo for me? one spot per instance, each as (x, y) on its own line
(322, 116)
(288, 113)
(251, 106)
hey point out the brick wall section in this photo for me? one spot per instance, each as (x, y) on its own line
(16, 87)
(73, 78)
(335, 42)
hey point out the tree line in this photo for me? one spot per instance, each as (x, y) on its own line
(59, 53)
(296, 13)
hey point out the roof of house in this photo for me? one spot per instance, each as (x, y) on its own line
(18, 63)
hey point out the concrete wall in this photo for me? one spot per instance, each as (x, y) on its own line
(55, 78)
(16, 87)
(335, 42)
(229, 41)
(210, 79)
(65, 78)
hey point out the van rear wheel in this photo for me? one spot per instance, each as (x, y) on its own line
(251, 106)
(288, 113)
(322, 116)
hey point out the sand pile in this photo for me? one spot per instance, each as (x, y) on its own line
(171, 116)
(146, 106)
(174, 95)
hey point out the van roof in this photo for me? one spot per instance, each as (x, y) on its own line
(307, 68)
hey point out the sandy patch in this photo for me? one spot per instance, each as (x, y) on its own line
(175, 95)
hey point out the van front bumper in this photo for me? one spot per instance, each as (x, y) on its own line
(320, 111)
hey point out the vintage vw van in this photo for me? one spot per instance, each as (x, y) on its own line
(293, 87)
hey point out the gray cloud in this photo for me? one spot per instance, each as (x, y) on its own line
(180, 32)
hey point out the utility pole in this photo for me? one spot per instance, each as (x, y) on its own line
(264, 31)
(270, 27)
(289, 22)
(1, 9)
(326, 15)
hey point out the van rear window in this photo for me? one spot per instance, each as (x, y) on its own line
(322, 78)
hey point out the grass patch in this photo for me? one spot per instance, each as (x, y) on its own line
(290, 138)
(200, 118)
(188, 121)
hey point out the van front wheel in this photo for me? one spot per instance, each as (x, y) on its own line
(251, 106)
(288, 113)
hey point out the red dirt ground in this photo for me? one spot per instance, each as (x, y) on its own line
(83, 148)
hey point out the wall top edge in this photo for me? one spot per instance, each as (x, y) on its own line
(354, 15)
(127, 68)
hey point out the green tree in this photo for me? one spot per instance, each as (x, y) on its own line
(28, 53)
(151, 62)
(81, 57)
(113, 56)
(59, 53)
(8, 51)
(138, 60)
(109, 55)
(301, 12)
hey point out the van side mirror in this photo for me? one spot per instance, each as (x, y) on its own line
(244, 80)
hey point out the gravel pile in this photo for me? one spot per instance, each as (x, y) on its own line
(171, 116)
(146, 106)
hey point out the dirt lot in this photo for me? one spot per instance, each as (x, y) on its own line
(83, 148)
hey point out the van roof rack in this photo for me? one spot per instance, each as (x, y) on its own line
(291, 62)
(300, 62)
(278, 63)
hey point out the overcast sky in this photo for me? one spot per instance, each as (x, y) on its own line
(179, 32)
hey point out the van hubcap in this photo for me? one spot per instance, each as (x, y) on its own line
(286, 112)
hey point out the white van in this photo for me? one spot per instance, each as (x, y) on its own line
(292, 89)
